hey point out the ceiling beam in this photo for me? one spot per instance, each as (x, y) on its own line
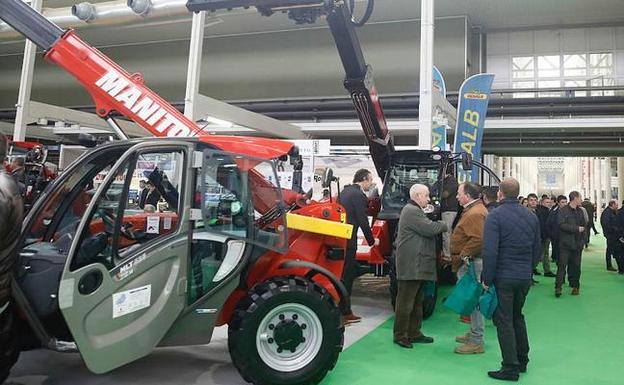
(37, 133)
(37, 111)
(206, 106)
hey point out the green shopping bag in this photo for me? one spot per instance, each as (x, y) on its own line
(465, 297)
(488, 302)
(429, 288)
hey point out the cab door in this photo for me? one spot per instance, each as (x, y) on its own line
(124, 282)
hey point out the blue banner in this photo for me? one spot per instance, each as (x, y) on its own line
(471, 111)
(438, 81)
(438, 136)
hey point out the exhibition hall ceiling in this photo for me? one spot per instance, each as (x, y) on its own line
(487, 14)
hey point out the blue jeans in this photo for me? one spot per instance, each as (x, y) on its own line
(476, 318)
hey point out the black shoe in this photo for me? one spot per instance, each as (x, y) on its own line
(535, 272)
(611, 268)
(421, 340)
(557, 293)
(533, 282)
(505, 375)
(404, 344)
(549, 274)
(522, 368)
(620, 272)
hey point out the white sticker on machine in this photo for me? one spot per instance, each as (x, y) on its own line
(132, 300)
(153, 225)
(66, 293)
(167, 223)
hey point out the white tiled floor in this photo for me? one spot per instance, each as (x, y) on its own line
(206, 364)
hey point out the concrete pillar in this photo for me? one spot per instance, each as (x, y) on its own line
(620, 168)
(425, 107)
(193, 72)
(26, 80)
(606, 179)
(599, 184)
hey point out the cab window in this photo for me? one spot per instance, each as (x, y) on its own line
(57, 220)
(241, 198)
(140, 205)
(241, 204)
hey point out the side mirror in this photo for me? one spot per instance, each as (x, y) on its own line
(328, 177)
(466, 160)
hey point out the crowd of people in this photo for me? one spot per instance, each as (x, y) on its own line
(504, 237)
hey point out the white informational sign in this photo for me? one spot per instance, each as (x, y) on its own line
(309, 147)
(132, 300)
(307, 181)
(285, 179)
(167, 223)
(153, 225)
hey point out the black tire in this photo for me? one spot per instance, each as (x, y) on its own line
(9, 351)
(250, 356)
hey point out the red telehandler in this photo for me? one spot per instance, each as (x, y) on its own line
(215, 242)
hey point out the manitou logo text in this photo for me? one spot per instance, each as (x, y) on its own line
(160, 122)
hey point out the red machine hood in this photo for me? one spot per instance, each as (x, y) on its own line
(245, 145)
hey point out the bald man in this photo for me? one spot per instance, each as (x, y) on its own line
(415, 264)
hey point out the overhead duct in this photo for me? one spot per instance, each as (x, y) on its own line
(107, 13)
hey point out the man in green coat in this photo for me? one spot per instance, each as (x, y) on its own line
(415, 264)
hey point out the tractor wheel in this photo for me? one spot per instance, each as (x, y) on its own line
(430, 299)
(287, 331)
(9, 351)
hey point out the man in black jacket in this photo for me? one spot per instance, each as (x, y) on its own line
(353, 199)
(571, 242)
(552, 225)
(489, 198)
(143, 191)
(11, 207)
(612, 231)
(591, 211)
(542, 211)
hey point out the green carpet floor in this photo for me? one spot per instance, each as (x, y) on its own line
(574, 340)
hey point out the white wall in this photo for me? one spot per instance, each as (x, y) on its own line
(501, 46)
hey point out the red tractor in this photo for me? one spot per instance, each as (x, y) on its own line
(224, 244)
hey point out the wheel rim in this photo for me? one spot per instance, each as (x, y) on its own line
(289, 337)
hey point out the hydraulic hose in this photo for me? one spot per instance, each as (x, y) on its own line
(370, 5)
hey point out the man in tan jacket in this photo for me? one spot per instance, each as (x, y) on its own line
(466, 243)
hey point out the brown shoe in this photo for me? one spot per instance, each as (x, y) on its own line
(575, 291)
(464, 338)
(470, 348)
(351, 319)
